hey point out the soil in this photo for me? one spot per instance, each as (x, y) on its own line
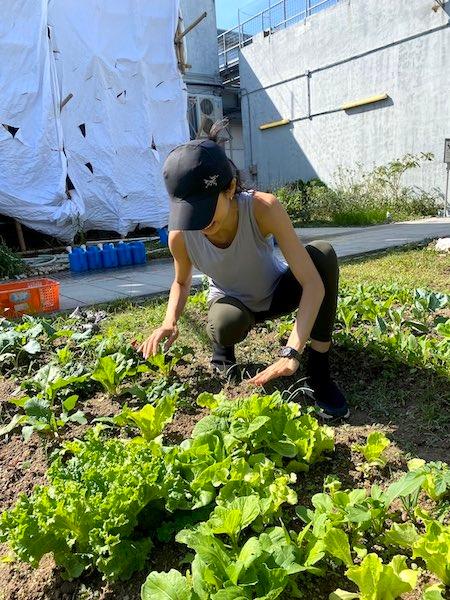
(367, 379)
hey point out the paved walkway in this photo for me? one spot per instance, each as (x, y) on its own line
(157, 276)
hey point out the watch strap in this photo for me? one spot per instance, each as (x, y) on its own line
(293, 353)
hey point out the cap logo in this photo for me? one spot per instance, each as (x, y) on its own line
(211, 181)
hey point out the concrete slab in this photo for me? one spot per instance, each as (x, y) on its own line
(69, 303)
(91, 294)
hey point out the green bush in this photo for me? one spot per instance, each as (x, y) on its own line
(360, 197)
(10, 263)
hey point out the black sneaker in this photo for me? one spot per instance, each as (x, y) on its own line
(329, 398)
(330, 401)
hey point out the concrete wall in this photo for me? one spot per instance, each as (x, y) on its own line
(201, 42)
(235, 147)
(354, 50)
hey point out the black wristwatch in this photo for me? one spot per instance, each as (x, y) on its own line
(289, 352)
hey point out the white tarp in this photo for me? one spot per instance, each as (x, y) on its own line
(32, 164)
(117, 59)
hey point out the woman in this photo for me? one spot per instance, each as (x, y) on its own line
(228, 235)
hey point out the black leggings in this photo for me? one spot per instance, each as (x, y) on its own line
(229, 320)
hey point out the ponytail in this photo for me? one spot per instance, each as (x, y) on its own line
(216, 135)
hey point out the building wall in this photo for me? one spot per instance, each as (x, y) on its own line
(203, 78)
(235, 146)
(201, 42)
(353, 50)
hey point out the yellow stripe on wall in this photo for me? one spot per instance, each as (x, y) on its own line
(369, 100)
(275, 124)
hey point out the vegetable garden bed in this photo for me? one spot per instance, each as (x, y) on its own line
(119, 473)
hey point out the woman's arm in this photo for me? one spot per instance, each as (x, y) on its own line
(181, 285)
(178, 296)
(272, 218)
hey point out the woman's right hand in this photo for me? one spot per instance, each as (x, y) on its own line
(150, 346)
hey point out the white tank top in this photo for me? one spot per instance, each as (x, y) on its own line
(247, 270)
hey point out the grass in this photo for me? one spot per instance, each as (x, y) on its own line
(409, 267)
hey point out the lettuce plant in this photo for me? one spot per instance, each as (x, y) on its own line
(89, 512)
(434, 549)
(377, 581)
(373, 451)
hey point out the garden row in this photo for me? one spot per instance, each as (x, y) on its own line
(221, 493)
(229, 492)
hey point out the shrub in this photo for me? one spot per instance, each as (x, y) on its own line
(360, 197)
(10, 263)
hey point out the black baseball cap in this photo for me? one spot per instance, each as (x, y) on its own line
(195, 173)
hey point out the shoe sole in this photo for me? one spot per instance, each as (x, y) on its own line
(327, 417)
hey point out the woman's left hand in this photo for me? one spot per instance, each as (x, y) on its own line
(281, 368)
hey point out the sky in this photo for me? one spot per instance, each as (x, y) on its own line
(227, 11)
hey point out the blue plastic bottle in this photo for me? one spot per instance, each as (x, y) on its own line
(109, 256)
(138, 253)
(163, 236)
(74, 260)
(83, 258)
(93, 258)
(124, 254)
(78, 260)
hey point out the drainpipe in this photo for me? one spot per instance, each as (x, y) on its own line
(249, 121)
(308, 86)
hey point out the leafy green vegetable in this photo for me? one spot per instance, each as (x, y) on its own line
(355, 510)
(166, 586)
(50, 408)
(368, 314)
(151, 420)
(164, 363)
(89, 512)
(374, 449)
(336, 544)
(434, 548)
(437, 477)
(109, 373)
(263, 567)
(403, 535)
(269, 424)
(377, 581)
(434, 592)
(235, 516)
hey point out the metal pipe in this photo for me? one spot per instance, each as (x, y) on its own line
(249, 122)
(217, 85)
(308, 84)
(239, 28)
(350, 58)
(446, 192)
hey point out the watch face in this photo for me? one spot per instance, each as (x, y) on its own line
(285, 352)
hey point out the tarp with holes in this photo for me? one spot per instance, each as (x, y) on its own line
(112, 65)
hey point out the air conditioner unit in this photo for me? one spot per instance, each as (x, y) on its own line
(208, 110)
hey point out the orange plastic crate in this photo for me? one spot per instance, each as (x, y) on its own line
(28, 296)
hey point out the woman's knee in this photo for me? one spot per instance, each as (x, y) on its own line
(229, 322)
(323, 256)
